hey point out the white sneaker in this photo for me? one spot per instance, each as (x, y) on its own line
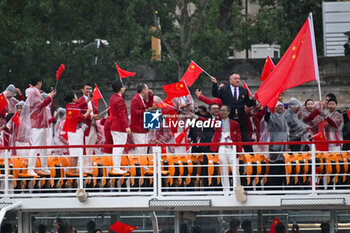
(46, 171)
(87, 171)
(116, 170)
(32, 173)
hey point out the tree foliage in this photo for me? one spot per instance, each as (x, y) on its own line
(37, 36)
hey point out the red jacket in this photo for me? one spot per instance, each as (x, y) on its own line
(119, 113)
(235, 135)
(84, 105)
(210, 101)
(257, 116)
(137, 107)
(108, 136)
(81, 119)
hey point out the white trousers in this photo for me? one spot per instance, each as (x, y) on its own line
(49, 135)
(119, 138)
(90, 140)
(140, 138)
(225, 158)
(39, 138)
(76, 138)
(22, 153)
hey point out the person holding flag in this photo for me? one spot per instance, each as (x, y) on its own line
(16, 138)
(334, 125)
(75, 121)
(120, 126)
(184, 104)
(296, 127)
(162, 135)
(236, 97)
(35, 122)
(310, 115)
(141, 102)
(90, 134)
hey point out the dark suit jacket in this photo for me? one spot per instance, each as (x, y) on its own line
(225, 94)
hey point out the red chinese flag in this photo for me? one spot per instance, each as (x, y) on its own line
(246, 87)
(96, 95)
(179, 139)
(72, 118)
(167, 107)
(65, 136)
(3, 102)
(120, 227)
(15, 119)
(176, 89)
(322, 138)
(59, 71)
(348, 112)
(191, 74)
(124, 73)
(297, 66)
(268, 67)
(321, 126)
(274, 223)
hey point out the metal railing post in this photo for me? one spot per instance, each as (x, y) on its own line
(313, 168)
(6, 180)
(81, 173)
(157, 170)
(234, 166)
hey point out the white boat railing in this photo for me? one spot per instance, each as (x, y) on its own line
(189, 174)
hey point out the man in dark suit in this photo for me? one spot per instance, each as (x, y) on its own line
(236, 97)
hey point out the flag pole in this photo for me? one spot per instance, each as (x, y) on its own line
(189, 94)
(315, 55)
(119, 75)
(101, 113)
(202, 69)
(56, 84)
(104, 101)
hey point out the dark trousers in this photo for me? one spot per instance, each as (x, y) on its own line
(296, 147)
(276, 170)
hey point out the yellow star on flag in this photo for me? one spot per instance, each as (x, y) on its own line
(294, 56)
(294, 47)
